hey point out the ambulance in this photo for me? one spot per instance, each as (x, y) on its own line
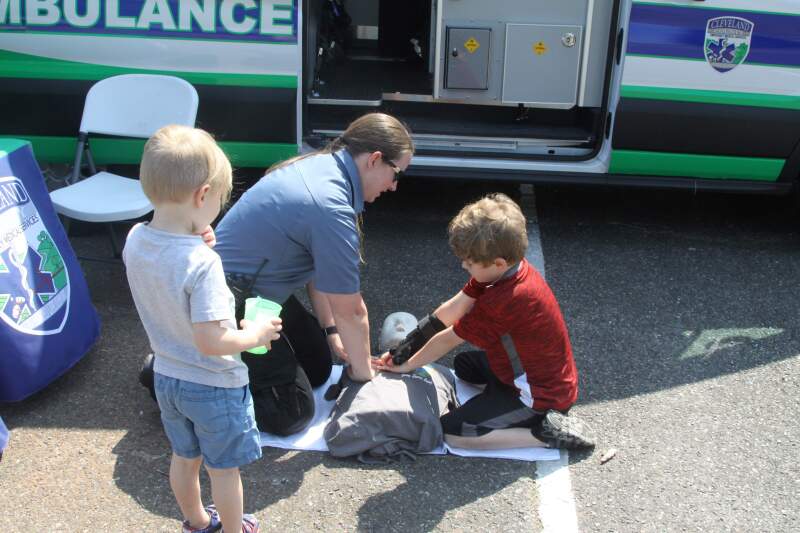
(666, 93)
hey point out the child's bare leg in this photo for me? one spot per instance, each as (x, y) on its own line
(184, 478)
(226, 491)
(497, 439)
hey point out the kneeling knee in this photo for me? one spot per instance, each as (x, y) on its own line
(450, 426)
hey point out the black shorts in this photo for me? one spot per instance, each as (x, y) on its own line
(497, 407)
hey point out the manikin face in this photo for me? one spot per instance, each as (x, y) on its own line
(378, 174)
(485, 273)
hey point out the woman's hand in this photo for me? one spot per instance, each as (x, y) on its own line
(209, 237)
(336, 346)
(266, 332)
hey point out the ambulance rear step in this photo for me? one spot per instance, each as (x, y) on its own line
(494, 145)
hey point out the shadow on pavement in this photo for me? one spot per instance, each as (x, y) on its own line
(402, 496)
(654, 287)
(661, 289)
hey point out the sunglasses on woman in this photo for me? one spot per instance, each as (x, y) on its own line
(398, 173)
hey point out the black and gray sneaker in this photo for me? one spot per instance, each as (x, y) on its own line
(562, 431)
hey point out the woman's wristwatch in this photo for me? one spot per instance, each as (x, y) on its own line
(330, 330)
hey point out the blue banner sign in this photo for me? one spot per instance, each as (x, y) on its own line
(47, 320)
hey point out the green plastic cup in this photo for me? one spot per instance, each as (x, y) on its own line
(260, 310)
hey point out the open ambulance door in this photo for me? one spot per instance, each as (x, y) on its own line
(517, 80)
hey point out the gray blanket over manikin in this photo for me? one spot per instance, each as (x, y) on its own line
(393, 415)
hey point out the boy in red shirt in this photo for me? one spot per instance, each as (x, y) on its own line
(509, 311)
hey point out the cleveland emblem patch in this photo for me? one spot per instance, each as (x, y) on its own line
(727, 42)
(34, 284)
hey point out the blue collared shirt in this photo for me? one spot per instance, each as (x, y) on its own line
(301, 220)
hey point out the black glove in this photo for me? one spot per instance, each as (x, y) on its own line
(425, 330)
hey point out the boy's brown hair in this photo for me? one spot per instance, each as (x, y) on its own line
(178, 160)
(493, 227)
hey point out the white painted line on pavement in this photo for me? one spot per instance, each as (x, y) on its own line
(556, 502)
(534, 255)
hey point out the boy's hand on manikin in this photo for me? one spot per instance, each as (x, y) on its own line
(266, 332)
(384, 363)
(209, 237)
(397, 369)
(382, 360)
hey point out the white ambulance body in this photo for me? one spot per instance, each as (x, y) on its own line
(684, 93)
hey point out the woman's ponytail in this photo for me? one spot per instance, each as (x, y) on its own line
(373, 132)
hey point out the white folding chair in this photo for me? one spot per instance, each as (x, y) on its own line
(129, 105)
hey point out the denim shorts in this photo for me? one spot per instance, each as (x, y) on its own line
(215, 422)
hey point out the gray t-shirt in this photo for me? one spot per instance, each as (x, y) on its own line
(176, 280)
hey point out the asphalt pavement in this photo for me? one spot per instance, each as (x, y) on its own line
(682, 311)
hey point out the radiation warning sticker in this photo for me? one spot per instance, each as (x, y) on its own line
(540, 48)
(472, 44)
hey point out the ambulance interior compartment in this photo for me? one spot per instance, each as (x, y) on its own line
(514, 78)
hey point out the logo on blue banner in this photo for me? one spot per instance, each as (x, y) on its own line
(727, 42)
(34, 284)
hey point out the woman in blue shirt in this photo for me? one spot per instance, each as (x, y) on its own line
(299, 226)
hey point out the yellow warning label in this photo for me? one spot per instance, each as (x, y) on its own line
(471, 45)
(540, 48)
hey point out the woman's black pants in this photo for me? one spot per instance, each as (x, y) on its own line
(281, 380)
